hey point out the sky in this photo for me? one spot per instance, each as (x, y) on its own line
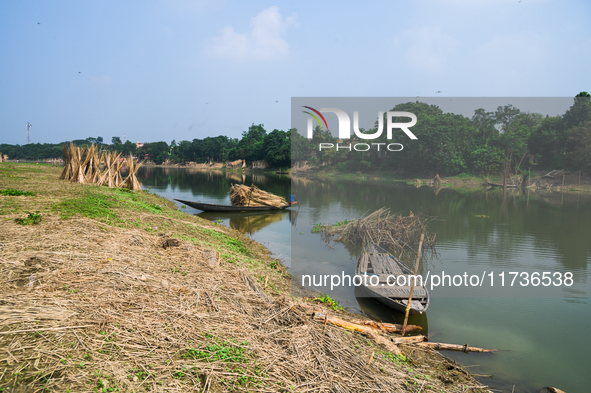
(163, 70)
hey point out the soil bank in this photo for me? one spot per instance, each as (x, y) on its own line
(120, 291)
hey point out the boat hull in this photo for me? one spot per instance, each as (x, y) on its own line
(212, 207)
(376, 261)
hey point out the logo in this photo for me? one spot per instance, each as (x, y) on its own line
(345, 123)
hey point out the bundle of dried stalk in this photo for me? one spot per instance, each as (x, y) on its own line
(68, 155)
(392, 231)
(131, 181)
(82, 165)
(242, 195)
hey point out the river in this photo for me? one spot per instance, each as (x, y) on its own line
(541, 332)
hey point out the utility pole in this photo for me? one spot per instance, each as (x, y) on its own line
(28, 133)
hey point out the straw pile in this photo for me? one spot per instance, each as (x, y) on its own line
(82, 165)
(131, 181)
(242, 195)
(391, 231)
(90, 317)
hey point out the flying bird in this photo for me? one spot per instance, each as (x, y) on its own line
(437, 92)
(38, 23)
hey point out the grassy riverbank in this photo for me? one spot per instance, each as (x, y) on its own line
(573, 182)
(106, 290)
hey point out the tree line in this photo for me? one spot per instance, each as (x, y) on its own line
(256, 144)
(450, 144)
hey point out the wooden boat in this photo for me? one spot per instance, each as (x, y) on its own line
(375, 261)
(212, 207)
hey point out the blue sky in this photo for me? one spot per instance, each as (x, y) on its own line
(182, 69)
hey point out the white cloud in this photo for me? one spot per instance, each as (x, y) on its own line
(263, 41)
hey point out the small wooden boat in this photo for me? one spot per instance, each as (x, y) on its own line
(212, 207)
(375, 261)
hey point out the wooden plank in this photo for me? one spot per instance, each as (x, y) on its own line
(392, 266)
(376, 263)
(399, 292)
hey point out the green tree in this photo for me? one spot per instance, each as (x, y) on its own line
(579, 112)
(485, 124)
(250, 147)
(579, 147)
(487, 159)
(277, 147)
(505, 115)
(547, 143)
(115, 140)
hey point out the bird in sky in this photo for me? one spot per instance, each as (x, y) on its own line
(38, 23)
(437, 92)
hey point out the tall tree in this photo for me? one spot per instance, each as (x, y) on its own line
(504, 115)
(579, 147)
(579, 112)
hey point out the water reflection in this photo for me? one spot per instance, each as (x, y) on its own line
(247, 222)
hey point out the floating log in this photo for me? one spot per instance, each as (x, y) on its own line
(455, 347)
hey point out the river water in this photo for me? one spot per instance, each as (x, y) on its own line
(541, 331)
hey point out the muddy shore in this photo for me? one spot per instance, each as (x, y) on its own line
(119, 291)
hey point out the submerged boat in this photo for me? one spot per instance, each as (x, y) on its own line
(375, 261)
(212, 207)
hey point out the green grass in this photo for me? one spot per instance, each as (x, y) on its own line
(101, 204)
(329, 302)
(93, 207)
(13, 192)
(219, 351)
(317, 228)
(31, 219)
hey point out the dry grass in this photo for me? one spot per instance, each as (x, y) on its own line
(89, 304)
(242, 195)
(394, 232)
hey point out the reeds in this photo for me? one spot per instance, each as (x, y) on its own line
(82, 165)
(242, 195)
(392, 231)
